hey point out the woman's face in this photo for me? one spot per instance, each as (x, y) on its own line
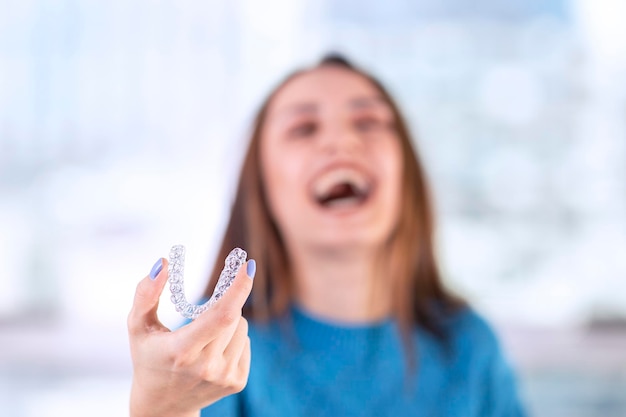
(331, 161)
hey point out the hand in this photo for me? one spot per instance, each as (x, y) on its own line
(177, 373)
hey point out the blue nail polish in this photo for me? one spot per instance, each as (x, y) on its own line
(251, 268)
(156, 269)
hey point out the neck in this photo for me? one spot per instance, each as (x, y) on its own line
(344, 286)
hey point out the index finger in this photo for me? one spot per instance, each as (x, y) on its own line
(225, 313)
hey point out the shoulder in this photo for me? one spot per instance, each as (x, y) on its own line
(471, 347)
(479, 353)
(470, 335)
(470, 326)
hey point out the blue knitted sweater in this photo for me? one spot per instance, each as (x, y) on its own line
(303, 366)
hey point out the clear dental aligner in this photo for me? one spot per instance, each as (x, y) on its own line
(235, 259)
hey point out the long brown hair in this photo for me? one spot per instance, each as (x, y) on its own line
(419, 296)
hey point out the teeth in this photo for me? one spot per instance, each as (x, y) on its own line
(343, 202)
(340, 176)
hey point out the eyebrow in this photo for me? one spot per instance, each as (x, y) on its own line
(299, 108)
(355, 103)
(367, 102)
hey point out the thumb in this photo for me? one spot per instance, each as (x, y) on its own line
(143, 313)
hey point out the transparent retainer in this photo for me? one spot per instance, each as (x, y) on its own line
(234, 261)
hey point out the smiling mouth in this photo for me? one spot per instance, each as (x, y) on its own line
(342, 195)
(342, 188)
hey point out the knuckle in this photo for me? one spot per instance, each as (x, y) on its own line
(243, 376)
(239, 385)
(225, 375)
(134, 327)
(179, 360)
(226, 317)
(210, 372)
(130, 322)
(234, 382)
(243, 324)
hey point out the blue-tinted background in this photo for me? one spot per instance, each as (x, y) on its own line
(123, 123)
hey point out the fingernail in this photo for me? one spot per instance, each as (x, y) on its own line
(156, 269)
(251, 268)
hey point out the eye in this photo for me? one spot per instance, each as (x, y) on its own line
(368, 124)
(303, 130)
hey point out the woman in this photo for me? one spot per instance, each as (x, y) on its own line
(348, 316)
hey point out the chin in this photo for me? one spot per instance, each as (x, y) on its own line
(348, 243)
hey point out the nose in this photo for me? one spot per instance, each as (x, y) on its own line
(340, 138)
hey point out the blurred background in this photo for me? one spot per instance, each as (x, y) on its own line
(123, 124)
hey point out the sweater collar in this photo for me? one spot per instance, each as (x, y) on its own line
(315, 333)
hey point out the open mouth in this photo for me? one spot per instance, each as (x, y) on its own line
(342, 188)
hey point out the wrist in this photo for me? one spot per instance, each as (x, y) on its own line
(143, 406)
(138, 411)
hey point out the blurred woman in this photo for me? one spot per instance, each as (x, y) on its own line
(348, 315)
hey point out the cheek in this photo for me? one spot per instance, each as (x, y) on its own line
(389, 157)
(391, 161)
(281, 173)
